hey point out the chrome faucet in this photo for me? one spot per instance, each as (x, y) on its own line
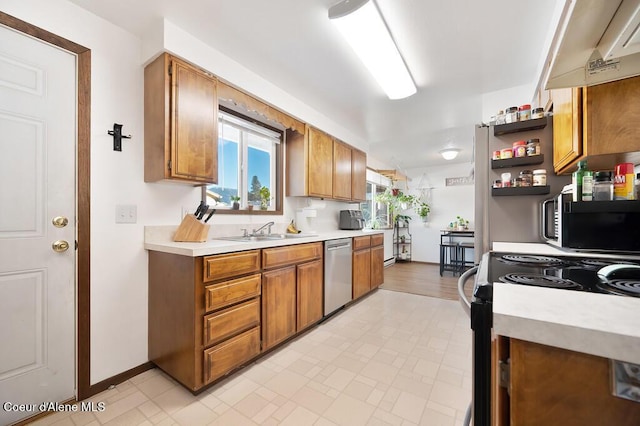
(267, 225)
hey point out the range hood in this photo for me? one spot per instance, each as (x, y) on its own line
(596, 41)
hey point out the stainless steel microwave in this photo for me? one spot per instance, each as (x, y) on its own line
(591, 225)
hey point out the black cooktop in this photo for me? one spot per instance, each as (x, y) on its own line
(568, 273)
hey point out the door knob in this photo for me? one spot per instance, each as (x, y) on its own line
(60, 221)
(60, 246)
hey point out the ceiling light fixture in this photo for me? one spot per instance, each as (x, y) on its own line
(449, 153)
(362, 26)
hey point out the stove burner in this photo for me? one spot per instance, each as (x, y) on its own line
(601, 263)
(624, 287)
(528, 259)
(536, 280)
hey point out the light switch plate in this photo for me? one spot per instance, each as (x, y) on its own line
(126, 214)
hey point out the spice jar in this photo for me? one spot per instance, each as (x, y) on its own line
(517, 182)
(506, 153)
(496, 155)
(602, 186)
(520, 149)
(511, 115)
(539, 177)
(537, 113)
(497, 184)
(533, 147)
(527, 177)
(501, 117)
(524, 112)
(506, 179)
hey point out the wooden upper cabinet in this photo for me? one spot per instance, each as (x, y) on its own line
(567, 126)
(341, 171)
(180, 122)
(358, 175)
(320, 160)
(321, 166)
(599, 123)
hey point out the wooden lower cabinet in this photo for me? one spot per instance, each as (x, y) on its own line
(309, 277)
(222, 358)
(205, 322)
(201, 330)
(553, 386)
(291, 295)
(278, 306)
(368, 263)
(361, 272)
(377, 266)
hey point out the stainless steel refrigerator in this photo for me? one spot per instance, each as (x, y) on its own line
(511, 214)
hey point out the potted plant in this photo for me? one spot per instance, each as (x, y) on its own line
(423, 210)
(265, 196)
(236, 202)
(396, 200)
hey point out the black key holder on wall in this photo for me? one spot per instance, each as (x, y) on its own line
(117, 136)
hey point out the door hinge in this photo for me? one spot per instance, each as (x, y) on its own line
(76, 245)
(504, 368)
(169, 164)
(170, 70)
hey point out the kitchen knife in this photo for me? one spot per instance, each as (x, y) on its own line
(203, 211)
(199, 209)
(210, 214)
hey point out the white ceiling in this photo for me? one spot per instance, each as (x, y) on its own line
(456, 51)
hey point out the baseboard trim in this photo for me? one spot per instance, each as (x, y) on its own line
(118, 378)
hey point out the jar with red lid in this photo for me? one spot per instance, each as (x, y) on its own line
(506, 153)
(524, 112)
(519, 149)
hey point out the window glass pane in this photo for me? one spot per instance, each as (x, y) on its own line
(366, 207)
(228, 167)
(260, 168)
(382, 210)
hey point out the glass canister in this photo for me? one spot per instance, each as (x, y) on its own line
(602, 186)
(539, 177)
(520, 149)
(524, 112)
(537, 113)
(511, 115)
(533, 147)
(527, 177)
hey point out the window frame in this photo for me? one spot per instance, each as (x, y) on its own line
(278, 171)
(373, 204)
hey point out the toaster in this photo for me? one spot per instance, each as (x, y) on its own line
(351, 219)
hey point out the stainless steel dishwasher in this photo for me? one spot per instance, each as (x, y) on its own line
(337, 274)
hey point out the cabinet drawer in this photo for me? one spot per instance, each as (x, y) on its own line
(361, 242)
(231, 265)
(231, 321)
(377, 240)
(221, 359)
(290, 255)
(229, 292)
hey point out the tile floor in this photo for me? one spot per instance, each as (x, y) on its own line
(391, 359)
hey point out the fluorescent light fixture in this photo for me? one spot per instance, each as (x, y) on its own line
(449, 153)
(362, 26)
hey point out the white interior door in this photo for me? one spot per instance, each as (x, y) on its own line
(37, 184)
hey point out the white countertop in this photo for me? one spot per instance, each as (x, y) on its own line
(598, 324)
(160, 239)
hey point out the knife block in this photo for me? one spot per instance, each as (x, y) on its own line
(191, 230)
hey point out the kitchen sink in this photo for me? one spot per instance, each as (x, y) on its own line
(260, 237)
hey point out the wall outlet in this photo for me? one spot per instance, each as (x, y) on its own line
(126, 214)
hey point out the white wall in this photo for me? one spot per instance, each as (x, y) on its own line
(446, 203)
(118, 259)
(493, 102)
